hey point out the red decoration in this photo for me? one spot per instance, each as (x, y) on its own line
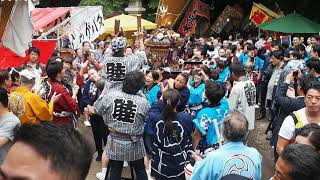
(9, 59)
(258, 17)
(197, 8)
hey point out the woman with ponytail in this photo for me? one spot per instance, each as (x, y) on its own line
(172, 143)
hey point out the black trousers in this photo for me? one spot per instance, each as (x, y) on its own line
(116, 169)
(99, 130)
(263, 96)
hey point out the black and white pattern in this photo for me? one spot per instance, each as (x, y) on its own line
(250, 92)
(124, 110)
(115, 68)
(115, 71)
(126, 114)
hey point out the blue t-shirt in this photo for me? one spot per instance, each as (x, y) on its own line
(196, 94)
(205, 121)
(231, 158)
(224, 75)
(151, 94)
(258, 64)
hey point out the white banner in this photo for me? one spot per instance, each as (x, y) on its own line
(87, 24)
(18, 33)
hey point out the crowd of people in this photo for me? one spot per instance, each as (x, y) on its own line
(193, 124)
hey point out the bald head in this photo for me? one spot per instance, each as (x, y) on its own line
(235, 127)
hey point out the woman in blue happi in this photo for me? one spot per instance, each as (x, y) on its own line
(224, 72)
(208, 122)
(197, 87)
(150, 89)
(172, 144)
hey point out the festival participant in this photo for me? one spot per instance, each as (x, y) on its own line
(28, 106)
(267, 44)
(265, 76)
(15, 77)
(128, 51)
(222, 55)
(309, 135)
(163, 72)
(208, 122)
(250, 74)
(180, 84)
(66, 107)
(197, 88)
(243, 94)
(90, 95)
(79, 57)
(297, 162)
(173, 142)
(224, 72)
(295, 43)
(89, 63)
(47, 151)
(309, 45)
(296, 120)
(116, 66)
(34, 65)
(222, 161)
(313, 67)
(126, 114)
(315, 53)
(231, 53)
(8, 124)
(5, 79)
(239, 49)
(225, 44)
(86, 46)
(150, 89)
(278, 62)
(251, 56)
(99, 52)
(288, 103)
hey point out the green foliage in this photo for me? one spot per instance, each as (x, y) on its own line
(151, 9)
(110, 7)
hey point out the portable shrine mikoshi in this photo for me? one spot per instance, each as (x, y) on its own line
(163, 44)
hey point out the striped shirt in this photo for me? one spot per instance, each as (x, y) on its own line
(126, 114)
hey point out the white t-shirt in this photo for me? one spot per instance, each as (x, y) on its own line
(288, 126)
(243, 99)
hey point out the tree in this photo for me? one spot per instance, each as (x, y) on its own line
(151, 9)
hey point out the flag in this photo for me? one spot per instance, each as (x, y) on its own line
(19, 29)
(260, 14)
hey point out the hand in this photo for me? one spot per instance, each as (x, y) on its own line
(289, 78)
(171, 83)
(90, 109)
(196, 155)
(291, 92)
(140, 35)
(55, 97)
(161, 86)
(228, 85)
(75, 89)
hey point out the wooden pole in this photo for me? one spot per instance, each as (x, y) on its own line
(139, 28)
(7, 7)
(116, 26)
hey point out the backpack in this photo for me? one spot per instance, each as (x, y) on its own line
(297, 121)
